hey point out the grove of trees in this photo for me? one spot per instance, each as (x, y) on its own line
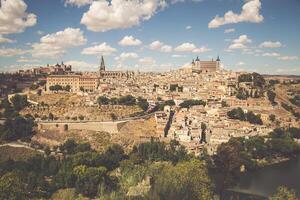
(238, 113)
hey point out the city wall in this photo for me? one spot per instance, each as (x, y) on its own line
(109, 127)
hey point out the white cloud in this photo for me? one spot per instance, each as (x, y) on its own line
(54, 45)
(82, 65)
(101, 49)
(240, 63)
(188, 27)
(250, 13)
(147, 64)
(178, 56)
(13, 17)
(190, 47)
(273, 54)
(130, 41)
(119, 14)
(270, 44)
(6, 40)
(160, 46)
(10, 52)
(231, 30)
(240, 43)
(289, 70)
(78, 3)
(23, 59)
(127, 55)
(285, 58)
(181, 1)
(39, 32)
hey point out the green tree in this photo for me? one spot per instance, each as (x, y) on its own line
(19, 102)
(192, 102)
(143, 104)
(102, 100)
(51, 116)
(81, 117)
(67, 88)
(271, 96)
(184, 181)
(17, 128)
(55, 87)
(87, 182)
(228, 162)
(253, 119)
(11, 187)
(245, 78)
(39, 92)
(113, 116)
(203, 134)
(272, 117)
(236, 113)
(284, 193)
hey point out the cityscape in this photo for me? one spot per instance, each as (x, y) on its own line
(96, 106)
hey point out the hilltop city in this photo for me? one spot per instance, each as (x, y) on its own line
(149, 100)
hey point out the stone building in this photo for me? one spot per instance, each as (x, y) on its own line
(205, 66)
(103, 74)
(76, 82)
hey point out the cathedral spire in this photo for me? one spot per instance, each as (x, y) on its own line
(102, 65)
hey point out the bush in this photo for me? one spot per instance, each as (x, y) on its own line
(19, 102)
(191, 102)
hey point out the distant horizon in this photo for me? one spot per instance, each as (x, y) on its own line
(153, 35)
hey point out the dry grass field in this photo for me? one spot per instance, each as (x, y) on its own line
(16, 153)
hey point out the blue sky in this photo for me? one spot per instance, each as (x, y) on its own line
(151, 35)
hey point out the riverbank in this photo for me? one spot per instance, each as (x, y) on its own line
(265, 180)
(269, 162)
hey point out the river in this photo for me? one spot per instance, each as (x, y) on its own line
(264, 182)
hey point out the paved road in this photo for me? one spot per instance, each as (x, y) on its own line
(86, 121)
(21, 145)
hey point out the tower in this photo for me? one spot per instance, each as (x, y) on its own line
(102, 65)
(218, 63)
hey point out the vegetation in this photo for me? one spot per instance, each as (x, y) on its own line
(271, 96)
(174, 174)
(257, 79)
(17, 128)
(296, 100)
(284, 193)
(242, 95)
(174, 87)
(238, 113)
(125, 100)
(19, 102)
(55, 88)
(192, 102)
(249, 153)
(60, 88)
(290, 109)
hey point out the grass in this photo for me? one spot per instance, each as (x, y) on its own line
(16, 153)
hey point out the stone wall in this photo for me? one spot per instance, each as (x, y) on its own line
(109, 127)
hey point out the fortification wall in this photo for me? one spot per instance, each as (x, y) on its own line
(109, 127)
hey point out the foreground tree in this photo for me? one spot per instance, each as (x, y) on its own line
(185, 181)
(19, 102)
(11, 187)
(284, 193)
(228, 162)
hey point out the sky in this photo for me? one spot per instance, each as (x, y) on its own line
(151, 35)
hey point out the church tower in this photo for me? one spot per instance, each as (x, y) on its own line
(102, 65)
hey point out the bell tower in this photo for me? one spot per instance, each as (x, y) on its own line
(102, 65)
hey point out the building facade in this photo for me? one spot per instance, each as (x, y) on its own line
(76, 82)
(103, 74)
(205, 66)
